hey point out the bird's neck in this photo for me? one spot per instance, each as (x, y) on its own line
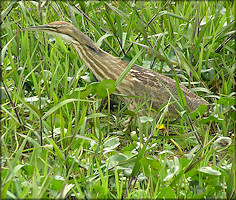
(102, 64)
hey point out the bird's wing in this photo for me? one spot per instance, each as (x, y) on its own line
(153, 86)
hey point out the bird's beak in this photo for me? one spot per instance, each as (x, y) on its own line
(52, 30)
(38, 28)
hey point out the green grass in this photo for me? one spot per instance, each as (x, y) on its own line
(59, 139)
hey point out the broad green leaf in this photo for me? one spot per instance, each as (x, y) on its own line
(166, 193)
(104, 86)
(199, 111)
(57, 183)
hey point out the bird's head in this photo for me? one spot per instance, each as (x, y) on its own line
(66, 31)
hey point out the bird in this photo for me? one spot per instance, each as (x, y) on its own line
(138, 82)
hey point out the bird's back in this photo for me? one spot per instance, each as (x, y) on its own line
(152, 85)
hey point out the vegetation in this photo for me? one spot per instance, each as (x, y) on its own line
(61, 137)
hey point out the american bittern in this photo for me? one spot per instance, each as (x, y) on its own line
(138, 82)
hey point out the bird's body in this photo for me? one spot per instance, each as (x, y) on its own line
(139, 81)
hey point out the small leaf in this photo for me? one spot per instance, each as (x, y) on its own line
(211, 118)
(57, 183)
(210, 191)
(127, 172)
(232, 116)
(166, 193)
(199, 111)
(112, 143)
(117, 158)
(166, 152)
(29, 169)
(145, 119)
(142, 178)
(222, 143)
(134, 136)
(31, 99)
(209, 170)
(131, 113)
(173, 169)
(86, 78)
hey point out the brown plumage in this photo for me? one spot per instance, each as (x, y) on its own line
(138, 82)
